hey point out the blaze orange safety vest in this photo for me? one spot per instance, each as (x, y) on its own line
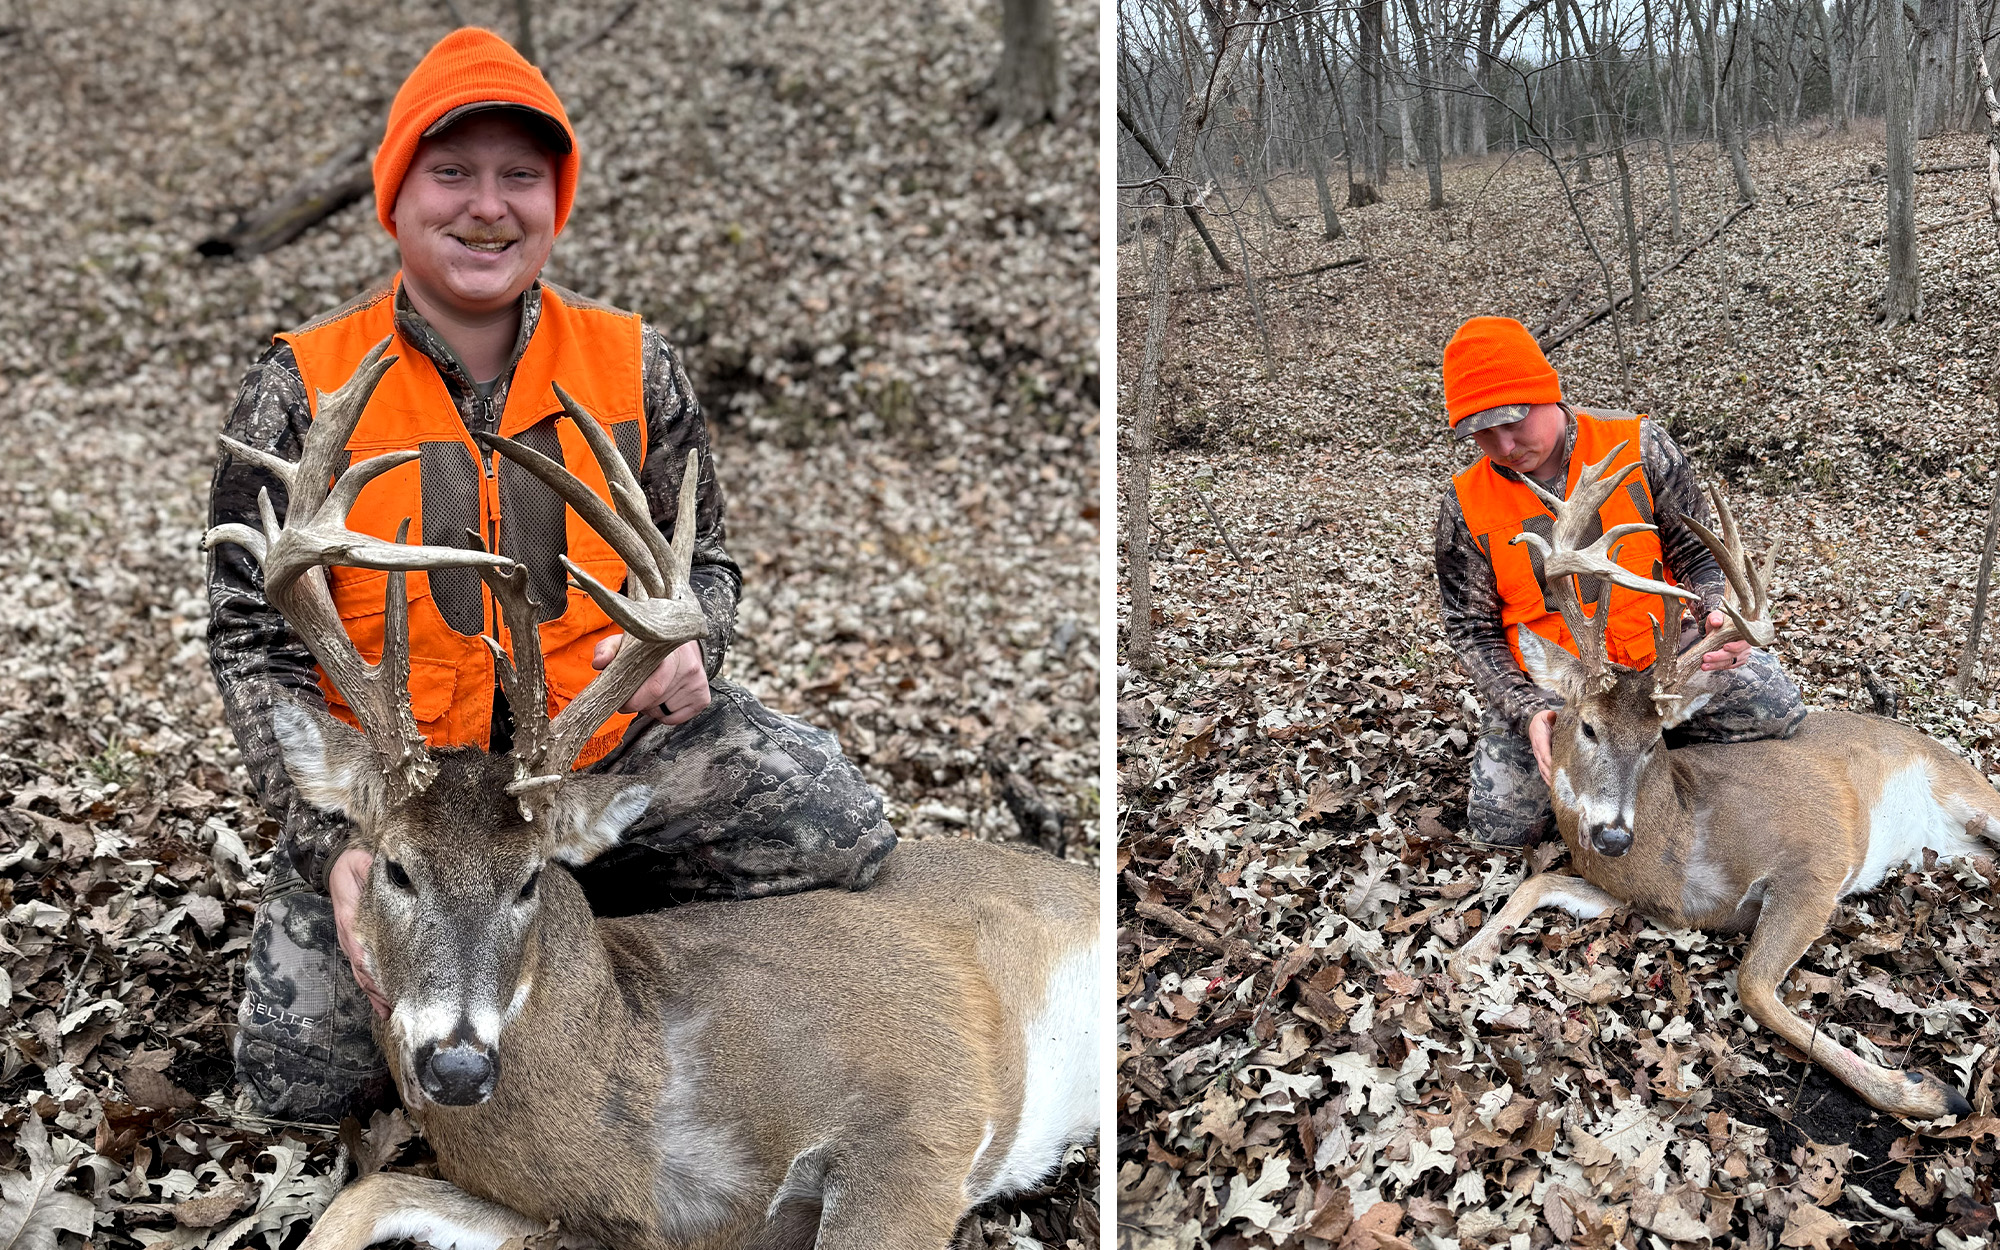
(1496, 509)
(594, 351)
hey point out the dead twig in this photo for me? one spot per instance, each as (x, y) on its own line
(1234, 949)
(1227, 541)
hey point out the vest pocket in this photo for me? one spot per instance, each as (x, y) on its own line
(359, 597)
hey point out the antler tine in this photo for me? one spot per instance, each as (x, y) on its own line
(521, 675)
(626, 523)
(314, 535)
(1748, 600)
(658, 612)
(1564, 559)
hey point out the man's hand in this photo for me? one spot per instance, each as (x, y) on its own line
(677, 689)
(1540, 726)
(350, 873)
(1730, 654)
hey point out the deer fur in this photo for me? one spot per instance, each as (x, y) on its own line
(830, 1068)
(1762, 837)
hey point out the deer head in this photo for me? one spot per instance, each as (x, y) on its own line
(1613, 718)
(454, 900)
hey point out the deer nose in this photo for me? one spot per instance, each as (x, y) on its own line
(1611, 840)
(456, 1073)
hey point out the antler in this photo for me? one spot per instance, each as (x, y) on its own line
(1747, 603)
(1566, 558)
(313, 535)
(658, 611)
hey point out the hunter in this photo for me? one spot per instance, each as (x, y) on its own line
(474, 180)
(1501, 393)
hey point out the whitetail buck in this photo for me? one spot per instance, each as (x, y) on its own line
(851, 1070)
(1760, 836)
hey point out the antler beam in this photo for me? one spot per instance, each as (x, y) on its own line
(314, 534)
(658, 610)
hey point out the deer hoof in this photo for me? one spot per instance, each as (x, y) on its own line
(1928, 1098)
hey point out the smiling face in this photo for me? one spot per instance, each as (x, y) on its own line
(1528, 446)
(475, 218)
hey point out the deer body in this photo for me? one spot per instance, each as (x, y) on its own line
(677, 1079)
(1827, 813)
(1765, 837)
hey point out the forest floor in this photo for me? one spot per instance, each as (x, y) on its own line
(1295, 1068)
(887, 305)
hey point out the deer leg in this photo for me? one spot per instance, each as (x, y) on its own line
(390, 1206)
(1547, 889)
(1787, 926)
(890, 1213)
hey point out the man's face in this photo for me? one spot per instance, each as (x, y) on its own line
(1528, 446)
(475, 218)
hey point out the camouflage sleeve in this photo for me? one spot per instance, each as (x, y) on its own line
(1677, 496)
(253, 653)
(1469, 601)
(674, 427)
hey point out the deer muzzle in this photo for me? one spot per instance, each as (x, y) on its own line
(457, 1073)
(1611, 841)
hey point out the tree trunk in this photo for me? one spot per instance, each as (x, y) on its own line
(1029, 83)
(1370, 53)
(1669, 115)
(1736, 72)
(1137, 454)
(1427, 100)
(524, 24)
(1836, 73)
(1936, 21)
(1903, 300)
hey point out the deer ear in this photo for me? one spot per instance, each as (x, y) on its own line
(591, 814)
(1549, 666)
(332, 765)
(1692, 696)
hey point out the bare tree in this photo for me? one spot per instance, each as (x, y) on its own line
(1903, 299)
(1207, 72)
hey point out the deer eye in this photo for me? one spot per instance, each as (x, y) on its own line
(1588, 732)
(528, 889)
(397, 877)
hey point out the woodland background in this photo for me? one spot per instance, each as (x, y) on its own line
(884, 286)
(1802, 187)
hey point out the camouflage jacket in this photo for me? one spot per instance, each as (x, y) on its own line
(1470, 601)
(253, 653)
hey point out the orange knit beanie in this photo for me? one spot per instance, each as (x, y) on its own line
(468, 66)
(1493, 361)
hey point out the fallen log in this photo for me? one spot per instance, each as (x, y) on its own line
(341, 180)
(1605, 309)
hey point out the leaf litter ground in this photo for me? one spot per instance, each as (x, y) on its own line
(1294, 1067)
(886, 306)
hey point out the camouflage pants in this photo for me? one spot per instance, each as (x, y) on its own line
(747, 802)
(1509, 803)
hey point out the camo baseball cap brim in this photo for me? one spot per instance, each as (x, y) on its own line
(1505, 414)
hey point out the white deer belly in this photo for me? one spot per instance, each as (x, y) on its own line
(1059, 1077)
(1905, 820)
